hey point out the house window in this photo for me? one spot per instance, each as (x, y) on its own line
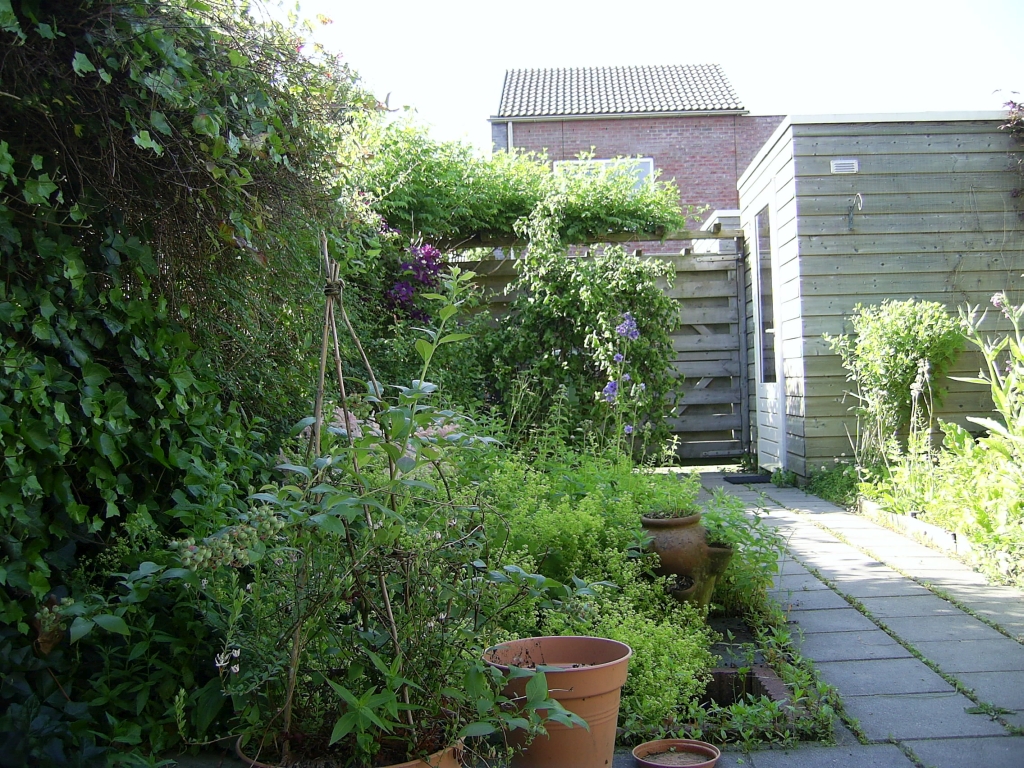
(641, 168)
(764, 282)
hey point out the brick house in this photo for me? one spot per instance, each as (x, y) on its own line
(685, 119)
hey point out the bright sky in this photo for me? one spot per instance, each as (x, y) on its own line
(447, 58)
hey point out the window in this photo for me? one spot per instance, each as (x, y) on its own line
(763, 245)
(641, 168)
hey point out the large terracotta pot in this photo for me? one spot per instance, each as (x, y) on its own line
(589, 684)
(446, 758)
(683, 551)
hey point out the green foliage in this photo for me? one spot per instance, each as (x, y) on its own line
(892, 346)
(560, 336)
(973, 486)
(443, 192)
(160, 165)
(354, 601)
(756, 548)
(783, 478)
(839, 483)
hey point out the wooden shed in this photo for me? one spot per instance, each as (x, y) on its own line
(845, 209)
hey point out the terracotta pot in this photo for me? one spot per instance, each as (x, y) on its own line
(680, 543)
(682, 547)
(594, 671)
(446, 758)
(693, 751)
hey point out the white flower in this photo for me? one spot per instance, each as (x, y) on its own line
(221, 661)
(236, 652)
(204, 582)
(234, 668)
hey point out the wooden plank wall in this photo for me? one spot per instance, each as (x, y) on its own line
(939, 222)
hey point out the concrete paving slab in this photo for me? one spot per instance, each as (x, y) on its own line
(880, 587)
(846, 756)
(992, 752)
(850, 646)
(882, 676)
(832, 620)
(797, 582)
(810, 600)
(921, 629)
(919, 716)
(909, 605)
(996, 655)
(1004, 689)
(790, 567)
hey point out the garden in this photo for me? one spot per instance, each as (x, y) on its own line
(274, 478)
(906, 463)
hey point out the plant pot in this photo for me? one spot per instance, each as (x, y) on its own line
(688, 752)
(446, 758)
(589, 684)
(681, 544)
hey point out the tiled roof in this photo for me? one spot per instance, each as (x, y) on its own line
(617, 91)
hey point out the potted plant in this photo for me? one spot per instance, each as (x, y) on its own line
(354, 599)
(675, 533)
(585, 675)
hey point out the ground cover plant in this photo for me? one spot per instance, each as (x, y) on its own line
(973, 485)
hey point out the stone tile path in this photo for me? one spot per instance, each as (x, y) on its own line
(927, 657)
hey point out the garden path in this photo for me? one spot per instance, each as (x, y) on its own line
(926, 655)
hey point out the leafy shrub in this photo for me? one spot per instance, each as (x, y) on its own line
(974, 486)
(560, 342)
(884, 357)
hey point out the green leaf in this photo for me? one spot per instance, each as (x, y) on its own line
(36, 435)
(537, 689)
(8, 21)
(476, 729)
(159, 122)
(206, 124)
(425, 348)
(144, 140)
(81, 64)
(343, 727)
(80, 627)
(94, 374)
(406, 464)
(38, 191)
(112, 623)
(454, 337)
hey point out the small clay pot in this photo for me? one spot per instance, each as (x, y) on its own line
(680, 543)
(675, 752)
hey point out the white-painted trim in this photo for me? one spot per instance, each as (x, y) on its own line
(717, 214)
(508, 136)
(879, 117)
(611, 116)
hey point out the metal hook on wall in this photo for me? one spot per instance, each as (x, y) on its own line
(857, 205)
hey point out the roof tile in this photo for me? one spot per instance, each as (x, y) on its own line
(617, 90)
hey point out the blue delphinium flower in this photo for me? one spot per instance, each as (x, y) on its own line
(610, 391)
(628, 429)
(628, 327)
(618, 357)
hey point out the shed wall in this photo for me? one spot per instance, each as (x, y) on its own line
(939, 222)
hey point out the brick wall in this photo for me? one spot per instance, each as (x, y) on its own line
(704, 154)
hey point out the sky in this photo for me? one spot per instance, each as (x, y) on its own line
(447, 58)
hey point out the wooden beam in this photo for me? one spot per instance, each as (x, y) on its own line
(508, 241)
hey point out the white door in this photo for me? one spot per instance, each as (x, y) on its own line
(771, 412)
